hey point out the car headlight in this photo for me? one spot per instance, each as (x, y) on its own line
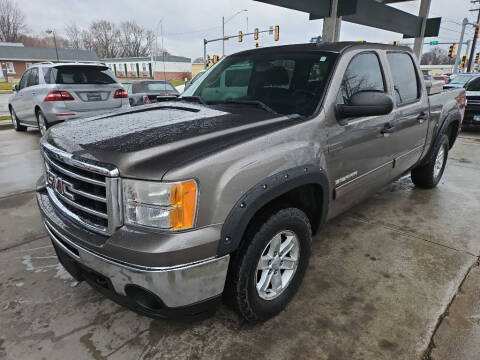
(164, 205)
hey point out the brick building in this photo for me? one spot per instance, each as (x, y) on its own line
(16, 58)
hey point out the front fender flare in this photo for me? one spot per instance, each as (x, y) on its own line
(263, 193)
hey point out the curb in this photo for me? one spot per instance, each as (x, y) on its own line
(6, 92)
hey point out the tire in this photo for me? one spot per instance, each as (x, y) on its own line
(42, 123)
(15, 123)
(428, 175)
(289, 226)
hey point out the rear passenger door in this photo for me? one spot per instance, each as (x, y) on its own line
(411, 112)
(359, 155)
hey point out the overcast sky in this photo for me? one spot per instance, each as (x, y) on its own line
(187, 22)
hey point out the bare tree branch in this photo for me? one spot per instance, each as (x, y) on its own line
(12, 21)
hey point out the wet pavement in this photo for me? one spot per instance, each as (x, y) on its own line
(394, 278)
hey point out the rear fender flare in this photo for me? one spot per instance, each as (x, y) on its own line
(263, 193)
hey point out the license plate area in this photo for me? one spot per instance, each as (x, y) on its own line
(94, 97)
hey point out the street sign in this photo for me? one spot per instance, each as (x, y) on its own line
(434, 42)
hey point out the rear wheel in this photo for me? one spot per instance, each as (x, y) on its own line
(42, 123)
(428, 175)
(15, 123)
(267, 272)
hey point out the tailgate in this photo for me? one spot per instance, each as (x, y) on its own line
(92, 97)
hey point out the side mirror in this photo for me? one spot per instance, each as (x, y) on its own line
(366, 103)
(15, 88)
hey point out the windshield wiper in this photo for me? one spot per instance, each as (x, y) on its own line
(258, 103)
(194, 98)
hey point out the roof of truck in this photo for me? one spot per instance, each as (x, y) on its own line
(335, 47)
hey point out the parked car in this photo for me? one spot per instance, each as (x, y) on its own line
(443, 78)
(472, 113)
(167, 207)
(147, 91)
(50, 93)
(195, 78)
(460, 80)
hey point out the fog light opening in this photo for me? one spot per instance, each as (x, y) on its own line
(143, 298)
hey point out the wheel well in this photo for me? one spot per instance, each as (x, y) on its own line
(308, 198)
(452, 132)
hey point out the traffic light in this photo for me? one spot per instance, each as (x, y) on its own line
(215, 59)
(464, 59)
(256, 44)
(395, 42)
(207, 61)
(240, 36)
(453, 50)
(477, 58)
(478, 31)
(277, 33)
(255, 35)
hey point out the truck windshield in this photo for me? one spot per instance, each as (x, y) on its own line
(286, 83)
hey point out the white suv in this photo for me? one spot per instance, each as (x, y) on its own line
(49, 93)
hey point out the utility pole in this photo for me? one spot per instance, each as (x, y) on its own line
(423, 14)
(460, 45)
(475, 37)
(223, 36)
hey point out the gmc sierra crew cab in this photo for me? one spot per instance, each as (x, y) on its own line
(168, 208)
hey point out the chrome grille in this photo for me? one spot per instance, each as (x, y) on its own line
(83, 190)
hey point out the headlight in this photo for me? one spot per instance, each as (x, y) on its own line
(162, 205)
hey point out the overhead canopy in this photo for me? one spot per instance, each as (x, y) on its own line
(374, 13)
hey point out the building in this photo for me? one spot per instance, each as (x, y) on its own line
(197, 66)
(16, 58)
(436, 69)
(170, 67)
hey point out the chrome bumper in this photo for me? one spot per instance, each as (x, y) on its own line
(176, 286)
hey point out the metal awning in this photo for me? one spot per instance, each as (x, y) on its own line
(374, 13)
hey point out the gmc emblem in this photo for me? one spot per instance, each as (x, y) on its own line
(60, 185)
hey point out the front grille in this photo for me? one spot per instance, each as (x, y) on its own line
(84, 191)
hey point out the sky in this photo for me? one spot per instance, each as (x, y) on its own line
(187, 22)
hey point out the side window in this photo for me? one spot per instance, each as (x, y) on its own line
(363, 73)
(23, 82)
(404, 77)
(33, 77)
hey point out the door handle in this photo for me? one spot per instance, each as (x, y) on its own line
(422, 117)
(388, 129)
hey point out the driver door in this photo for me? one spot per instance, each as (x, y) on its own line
(19, 100)
(359, 155)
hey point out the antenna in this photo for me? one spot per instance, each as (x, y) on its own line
(163, 55)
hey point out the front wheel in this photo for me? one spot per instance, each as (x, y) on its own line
(42, 123)
(428, 175)
(267, 272)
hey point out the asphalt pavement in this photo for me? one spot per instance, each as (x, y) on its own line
(394, 278)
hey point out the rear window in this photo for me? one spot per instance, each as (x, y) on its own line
(77, 75)
(159, 86)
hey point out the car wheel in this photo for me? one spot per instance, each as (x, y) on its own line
(428, 175)
(15, 123)
(268, 271)
(42, 123)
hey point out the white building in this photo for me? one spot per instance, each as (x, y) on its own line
(169, 66)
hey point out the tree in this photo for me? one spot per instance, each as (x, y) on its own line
(436, 56)
(102, 38)
(134, 40)
(12, 21)
(74, 36)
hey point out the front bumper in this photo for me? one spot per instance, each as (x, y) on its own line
(471, 110)
(153, 291)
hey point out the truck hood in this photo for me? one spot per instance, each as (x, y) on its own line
(146, 142)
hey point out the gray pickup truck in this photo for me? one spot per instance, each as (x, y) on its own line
(168, 208)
